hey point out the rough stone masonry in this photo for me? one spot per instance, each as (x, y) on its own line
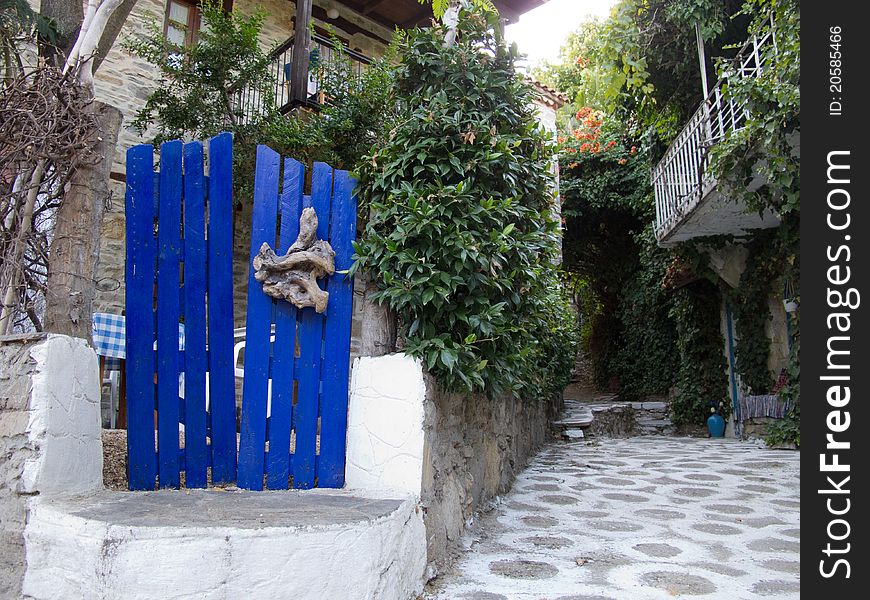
(16, 369)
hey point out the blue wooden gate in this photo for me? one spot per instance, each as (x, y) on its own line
(179, 278)
(298, 357)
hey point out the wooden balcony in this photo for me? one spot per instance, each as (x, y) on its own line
(688, 201)
(297, 80)
(249, 101)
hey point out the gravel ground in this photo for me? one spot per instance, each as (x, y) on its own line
(115, 459)
(645, 518)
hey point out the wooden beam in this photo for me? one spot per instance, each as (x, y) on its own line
(301, 50)
(370, 6)
(426, 12)
(348, 26)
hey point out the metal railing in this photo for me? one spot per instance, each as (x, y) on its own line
(681, 179)
(251, 104)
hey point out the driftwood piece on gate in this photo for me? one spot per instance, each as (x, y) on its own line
(293, 277)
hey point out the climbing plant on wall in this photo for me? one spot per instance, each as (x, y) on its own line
(461, 236)
(766, 149)
(607, 206)
(701, 377)
(646, 357)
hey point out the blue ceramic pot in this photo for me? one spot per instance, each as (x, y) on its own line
(716, 426)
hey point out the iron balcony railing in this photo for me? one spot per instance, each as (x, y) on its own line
(681, 179)
(249, 102)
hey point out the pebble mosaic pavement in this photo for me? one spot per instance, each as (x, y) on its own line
(643, 518)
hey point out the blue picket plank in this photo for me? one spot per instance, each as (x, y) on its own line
(310, 341)
(168, 255)
(195, 359)
(278, 457)
(222, 390)
(336, 353)
(252, 445)
(139, 331)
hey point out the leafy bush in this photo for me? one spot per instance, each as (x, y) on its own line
(641, 61)
(461, 237)
(785, 431)
(360, 109)
(194, 93)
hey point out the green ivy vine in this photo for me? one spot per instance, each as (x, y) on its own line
(750, 308)
(700, 380)
(765, 149)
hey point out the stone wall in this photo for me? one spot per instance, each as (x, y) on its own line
(628, 419)
(16, 369)
(456, 452)
(474, 448)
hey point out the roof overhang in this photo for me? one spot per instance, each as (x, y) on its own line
(409, 13)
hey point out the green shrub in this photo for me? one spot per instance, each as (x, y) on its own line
(195, 97)
(461, 236)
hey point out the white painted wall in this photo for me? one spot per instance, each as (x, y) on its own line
(64, 420)
(385, 439)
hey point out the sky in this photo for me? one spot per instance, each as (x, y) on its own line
(541, 32)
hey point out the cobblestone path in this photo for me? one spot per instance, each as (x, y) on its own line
(637, 519)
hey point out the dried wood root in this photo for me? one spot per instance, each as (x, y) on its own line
(293, 277)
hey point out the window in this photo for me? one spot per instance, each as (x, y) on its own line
(183, 20)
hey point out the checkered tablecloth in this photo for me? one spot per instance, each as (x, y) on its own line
(109, 334)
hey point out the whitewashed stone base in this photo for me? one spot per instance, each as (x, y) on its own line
(70, 556)
(64, 419)
(72, 539)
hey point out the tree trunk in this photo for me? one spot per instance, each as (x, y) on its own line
(113, 28)
(76, 243)
(67, 18)
(378, 326)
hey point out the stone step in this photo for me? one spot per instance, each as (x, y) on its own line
(573, 423)
(575, 417)
(573, 434)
